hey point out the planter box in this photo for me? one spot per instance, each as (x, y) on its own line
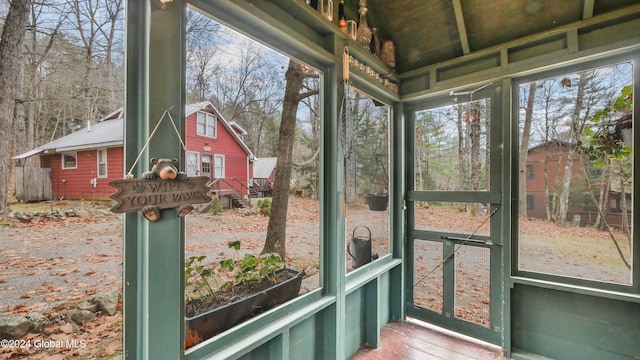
(207, 325)
(377, 202)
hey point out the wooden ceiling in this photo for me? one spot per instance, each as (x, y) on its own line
(427, 32)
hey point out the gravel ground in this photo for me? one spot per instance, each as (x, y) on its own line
(44, 264)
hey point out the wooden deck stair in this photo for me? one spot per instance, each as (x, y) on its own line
(233, 189)
(239, 202)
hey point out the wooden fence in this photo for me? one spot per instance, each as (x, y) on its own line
(33, 184)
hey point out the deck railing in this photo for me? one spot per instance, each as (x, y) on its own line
(228, 187)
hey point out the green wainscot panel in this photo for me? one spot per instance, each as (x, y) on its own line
(262, 352)
(566, 325)
(384, 312)
(306, 339)
(354, 321)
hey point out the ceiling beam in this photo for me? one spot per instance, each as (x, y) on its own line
(464, 40)
(587, 12)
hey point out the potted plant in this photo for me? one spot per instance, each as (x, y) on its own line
(254, 284)
(379, 200)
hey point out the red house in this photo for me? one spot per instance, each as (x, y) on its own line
(581, 208)
(85, 161)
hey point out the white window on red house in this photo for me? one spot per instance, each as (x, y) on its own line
(102, 163)
(219, 166)
(206, 124)
(193, 163)
(206, 165)
(70, 160)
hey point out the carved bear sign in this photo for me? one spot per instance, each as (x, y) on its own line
(164, 169)
(162, 187)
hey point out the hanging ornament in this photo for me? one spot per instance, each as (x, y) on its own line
(364, 32)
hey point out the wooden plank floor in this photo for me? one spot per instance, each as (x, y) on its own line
(413, 341)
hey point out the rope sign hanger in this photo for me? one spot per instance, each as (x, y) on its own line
(146, 144)
(162, 187)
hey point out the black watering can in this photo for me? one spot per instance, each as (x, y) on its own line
(361, 247)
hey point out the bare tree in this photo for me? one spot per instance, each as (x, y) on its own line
(204, 38)
(11, 42)
(111, 33)
(46, 20)
(276, 231)
(475, 127)
(96, 29)
(249, 92)
(462, 146)
(524, 148)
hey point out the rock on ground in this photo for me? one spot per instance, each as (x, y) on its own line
(13, 326)
(38, 321)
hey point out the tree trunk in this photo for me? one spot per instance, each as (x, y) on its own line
(474, 121)
(487, 129)
(563, 205)
(547, 129)
(418, 158)
(603, 196)
(623, 203)
(549, 205)
(10, 47)
(276, 231)
(524, 147)
(475, 127)
(462, 174)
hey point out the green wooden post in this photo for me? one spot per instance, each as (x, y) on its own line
(153, 252)
(409, 185)
(398, 212)
(509, 201)
(332, 234)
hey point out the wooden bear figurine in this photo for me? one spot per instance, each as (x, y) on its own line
(165, 169)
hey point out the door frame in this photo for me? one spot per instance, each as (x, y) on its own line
(499, 208)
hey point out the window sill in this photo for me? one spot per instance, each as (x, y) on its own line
(609, 294)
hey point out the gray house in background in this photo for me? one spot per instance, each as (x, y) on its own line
(263, 176)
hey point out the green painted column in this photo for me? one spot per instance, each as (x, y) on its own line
(332, 235)
(510, 160)
(153, 252)
(398, 211)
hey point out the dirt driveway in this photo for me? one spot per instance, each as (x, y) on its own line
(46, 263)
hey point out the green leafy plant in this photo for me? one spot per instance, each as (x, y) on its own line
(216, 206)
(246, 274)
(603, 135)
(265, 206)
(200, 276)
(250, 267)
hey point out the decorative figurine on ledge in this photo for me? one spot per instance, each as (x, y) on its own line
(387, 54)
(364, 32)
